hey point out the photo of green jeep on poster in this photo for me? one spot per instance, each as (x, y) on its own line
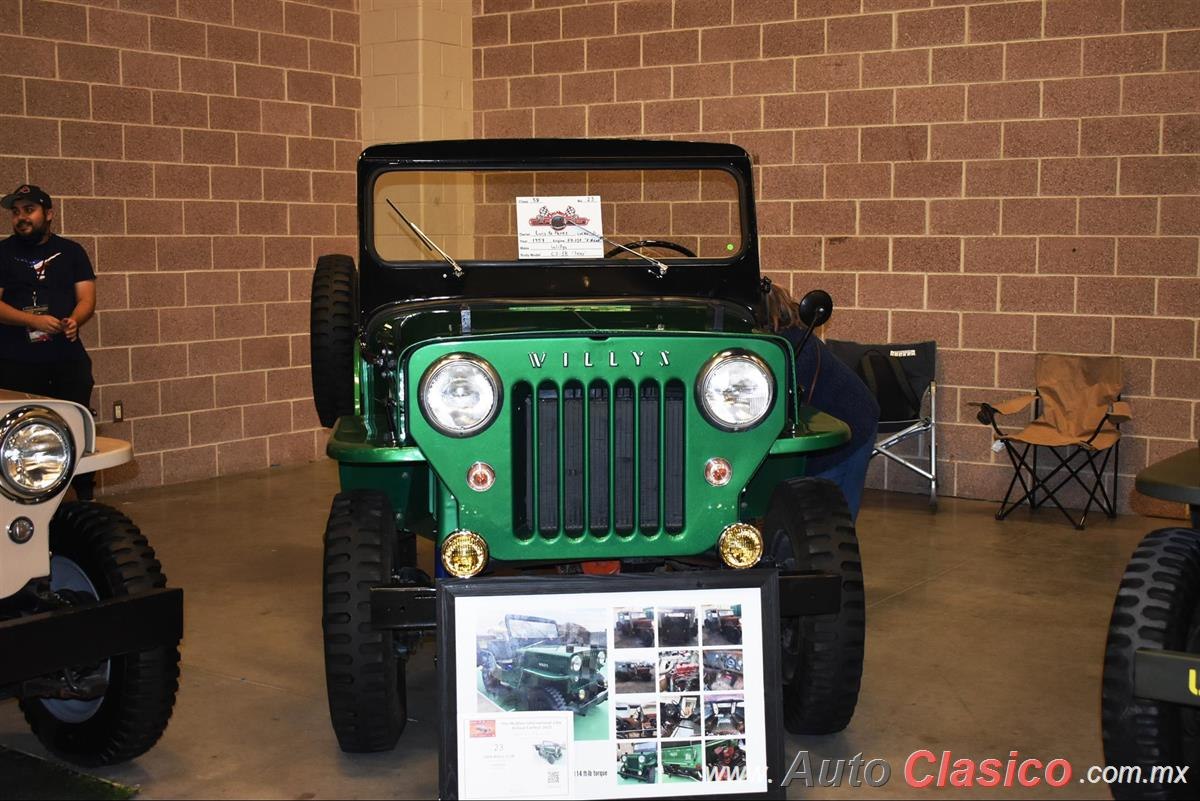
(683, 762)
(637, 763)
(531, 663)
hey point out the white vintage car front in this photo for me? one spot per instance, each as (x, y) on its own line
(44, 443)
(89, 632)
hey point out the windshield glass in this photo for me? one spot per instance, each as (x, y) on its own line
(532, 629)
(542, 216)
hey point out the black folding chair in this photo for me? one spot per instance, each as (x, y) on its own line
(901, 377)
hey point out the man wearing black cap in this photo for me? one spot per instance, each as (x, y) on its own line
(47, 291)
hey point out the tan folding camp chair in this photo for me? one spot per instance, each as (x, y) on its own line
(1077, 411)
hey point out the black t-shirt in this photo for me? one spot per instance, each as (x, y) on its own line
(41, 275)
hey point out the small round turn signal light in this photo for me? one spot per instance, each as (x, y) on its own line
(464, 554)
(741, 545)
(20, 530)
(481, 477)
(718, 471)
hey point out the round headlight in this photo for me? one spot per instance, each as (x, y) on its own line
(460, 394)
(735, 390)
(36, 454)
(601, 658)
(577, 662)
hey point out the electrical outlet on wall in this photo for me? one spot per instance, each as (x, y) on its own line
(118, 411)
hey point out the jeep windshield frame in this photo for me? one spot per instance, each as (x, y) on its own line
(736, 278)
(532, 630)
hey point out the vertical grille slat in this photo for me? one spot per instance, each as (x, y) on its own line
(598, 483)
(624, 425)
(673, 437)
(572, 455)
(547, 462)
(598, 458)
(648, 458)
(523, 462)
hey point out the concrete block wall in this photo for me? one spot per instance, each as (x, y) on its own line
(417, 84)
(203, 152)
(416, 67)
(1004, 177)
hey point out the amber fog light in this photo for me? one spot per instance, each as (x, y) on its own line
(20, 530)
(741, 545)
(718, 471)
(464, 554)
(481, 477)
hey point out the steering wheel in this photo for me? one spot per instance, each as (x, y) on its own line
(652, 243)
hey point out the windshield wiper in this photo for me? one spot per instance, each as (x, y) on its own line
(660, 268)
(429, 243)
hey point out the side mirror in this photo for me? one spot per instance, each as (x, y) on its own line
(816, 308)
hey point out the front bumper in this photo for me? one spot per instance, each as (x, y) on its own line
(413, 608)
(599, 698)
(36, 645)
(1172, 676)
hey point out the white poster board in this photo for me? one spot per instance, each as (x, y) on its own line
(674, 706)
(559, 228)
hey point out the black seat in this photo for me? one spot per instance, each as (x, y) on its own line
(901, 377)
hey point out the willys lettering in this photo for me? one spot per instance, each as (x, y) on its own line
(537, 360)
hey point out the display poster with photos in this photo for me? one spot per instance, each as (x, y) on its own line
(611, 695)
(559, 228)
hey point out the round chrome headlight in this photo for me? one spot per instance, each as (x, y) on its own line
(577, 662)
(735, 390)
(37, 454)
(601, 658)
(460, 394)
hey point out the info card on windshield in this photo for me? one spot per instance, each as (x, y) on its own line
(559, 228)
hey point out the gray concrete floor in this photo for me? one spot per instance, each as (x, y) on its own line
(983, 637)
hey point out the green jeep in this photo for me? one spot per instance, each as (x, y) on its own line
(640, 764)
(552, 354)
(683, 759)
(533, 668)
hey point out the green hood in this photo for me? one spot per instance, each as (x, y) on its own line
(402, 326)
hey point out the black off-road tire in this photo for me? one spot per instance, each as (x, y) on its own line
(546, 698)
(333, 324)
(1156, 608)
(117, 559)
(808, 527)
(364, 676)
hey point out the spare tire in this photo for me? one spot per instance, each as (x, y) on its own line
(333, 325)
